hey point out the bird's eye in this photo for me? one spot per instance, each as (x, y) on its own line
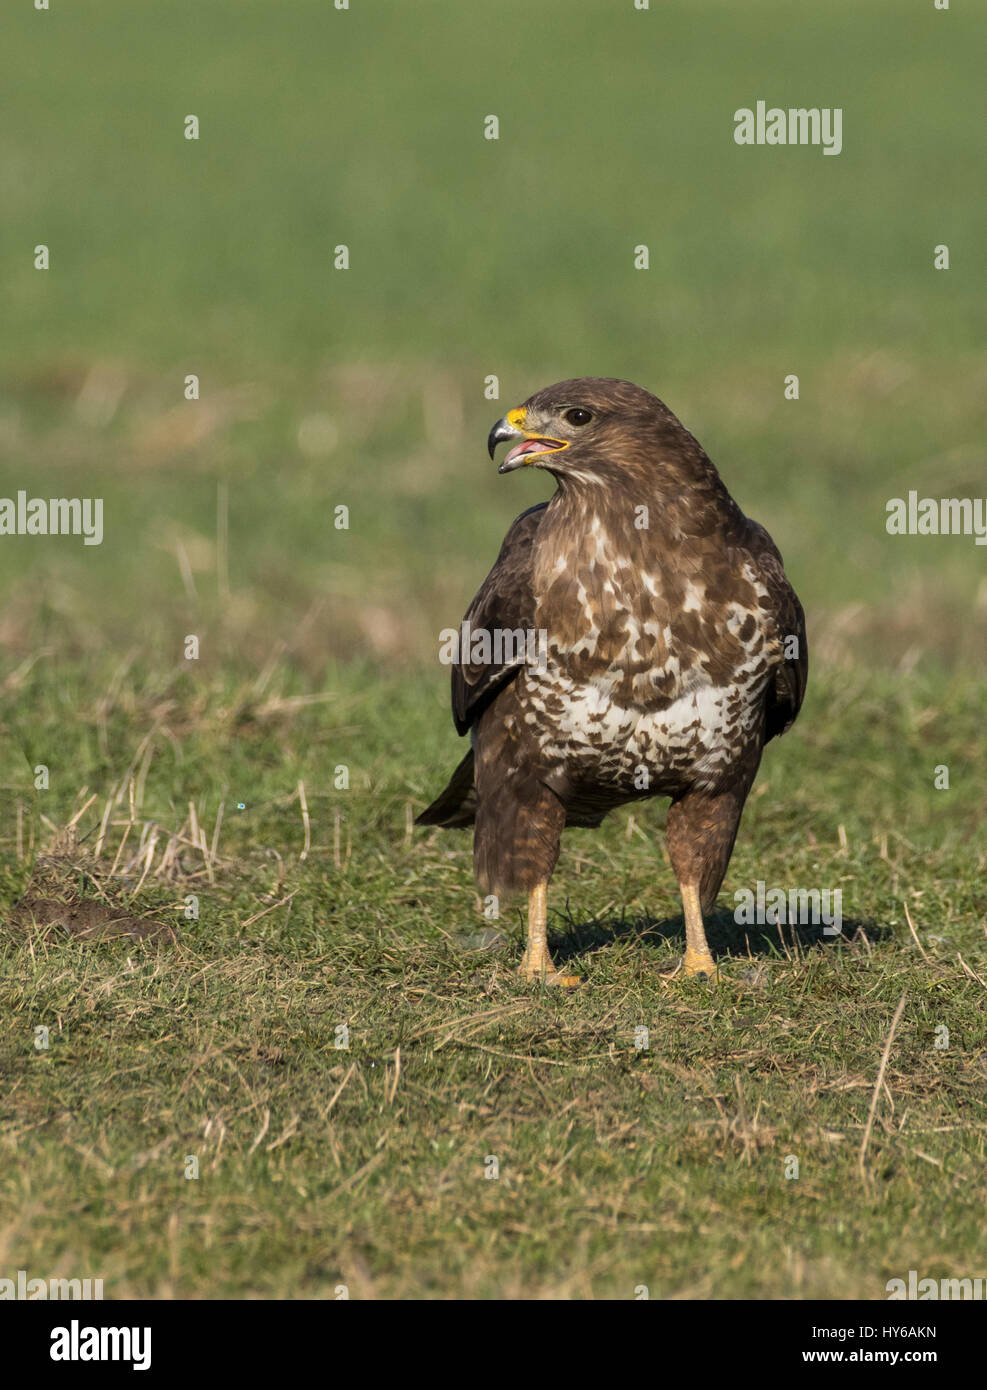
(578, 417)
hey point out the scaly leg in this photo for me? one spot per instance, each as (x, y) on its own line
(537, 964)
(700, 829)
(697, 959)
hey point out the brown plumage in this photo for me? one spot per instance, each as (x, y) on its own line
(668, 647)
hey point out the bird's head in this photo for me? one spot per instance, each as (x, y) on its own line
(589, 430)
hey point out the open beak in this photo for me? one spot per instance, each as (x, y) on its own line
(531, 445)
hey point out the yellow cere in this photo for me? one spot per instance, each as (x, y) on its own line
(516, 417)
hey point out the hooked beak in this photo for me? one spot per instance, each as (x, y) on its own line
(531, 445)
(501, 431)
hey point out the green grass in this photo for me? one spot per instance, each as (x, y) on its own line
(619, 1166)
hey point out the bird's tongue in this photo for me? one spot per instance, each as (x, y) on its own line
(530, 446)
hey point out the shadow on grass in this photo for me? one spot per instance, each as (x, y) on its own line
(573, 938)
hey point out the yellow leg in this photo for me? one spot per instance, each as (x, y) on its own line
(537, 963)
(697, 959)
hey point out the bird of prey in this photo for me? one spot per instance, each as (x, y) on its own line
(663, 646)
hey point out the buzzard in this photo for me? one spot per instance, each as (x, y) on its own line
(663, 646)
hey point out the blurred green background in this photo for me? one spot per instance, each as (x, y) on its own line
(471, 257)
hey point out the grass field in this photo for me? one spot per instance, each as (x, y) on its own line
(319, 908)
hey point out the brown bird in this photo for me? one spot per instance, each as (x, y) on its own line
(637, 637)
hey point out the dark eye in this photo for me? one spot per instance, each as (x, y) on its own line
(578, 417)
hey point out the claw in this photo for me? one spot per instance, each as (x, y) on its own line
(545, 973)
(698, 963)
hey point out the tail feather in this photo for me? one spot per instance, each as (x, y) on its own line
(456, 806)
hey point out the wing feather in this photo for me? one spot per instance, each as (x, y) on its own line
(504, 601)
(785, 693)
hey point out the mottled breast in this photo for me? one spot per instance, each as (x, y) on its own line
(653, 674)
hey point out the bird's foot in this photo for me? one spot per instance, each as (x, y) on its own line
(536, 970)
(698, 963)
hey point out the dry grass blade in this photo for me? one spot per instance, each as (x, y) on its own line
(306, 822)
(911, 928)
(972, 973)
(861, 1162)
(263, 913)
